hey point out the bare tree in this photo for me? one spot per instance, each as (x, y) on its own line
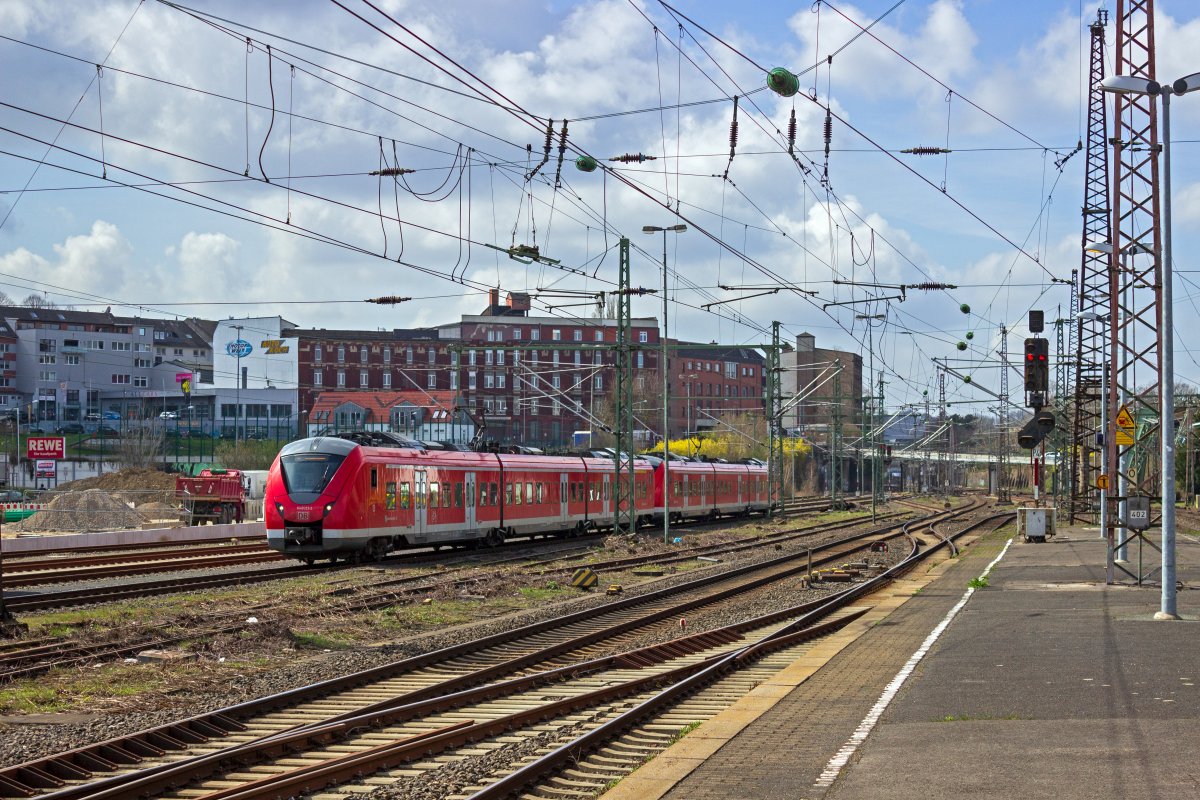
(140, 448)
(38, 301)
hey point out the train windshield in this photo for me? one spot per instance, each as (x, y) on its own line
(309, 473)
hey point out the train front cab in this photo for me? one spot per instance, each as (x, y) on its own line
(309, 496)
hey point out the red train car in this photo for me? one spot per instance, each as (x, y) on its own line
(333, 497)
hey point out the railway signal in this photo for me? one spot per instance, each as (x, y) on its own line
(1037, 429)
(1037, 371)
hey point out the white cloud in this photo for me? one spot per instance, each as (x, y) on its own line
(97, 262)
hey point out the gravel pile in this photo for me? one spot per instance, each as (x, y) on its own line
(88, 510)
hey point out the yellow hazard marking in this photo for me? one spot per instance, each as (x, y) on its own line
(584, 578)
(1125, 419)
(1124, 439)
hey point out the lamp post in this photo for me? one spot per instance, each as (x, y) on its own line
(1125, 84)
(662, 357)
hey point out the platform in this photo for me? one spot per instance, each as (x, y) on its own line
(1043, 683)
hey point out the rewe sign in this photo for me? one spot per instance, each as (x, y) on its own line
(46, 447)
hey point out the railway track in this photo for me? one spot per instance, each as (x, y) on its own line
(23, 660)
(36, 601)
(557, 657)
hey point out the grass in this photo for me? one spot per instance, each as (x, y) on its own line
(978, 583)
(684, 731)
(316, 641)
(541, 594)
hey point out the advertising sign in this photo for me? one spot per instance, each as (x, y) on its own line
(46, 447)
(45, 468)
(180, 377)
(239, 348)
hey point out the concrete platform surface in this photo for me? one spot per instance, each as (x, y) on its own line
(1045, 683)
(1048, 684)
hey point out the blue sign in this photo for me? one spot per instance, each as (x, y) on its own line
(239, 348)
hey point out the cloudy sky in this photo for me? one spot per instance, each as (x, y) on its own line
(198, 173)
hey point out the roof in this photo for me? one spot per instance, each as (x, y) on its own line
(718, 352)
(378, 405)
(395, 335)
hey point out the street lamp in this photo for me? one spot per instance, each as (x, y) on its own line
(1125, 84)
(662, 357)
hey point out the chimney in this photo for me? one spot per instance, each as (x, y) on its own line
(518, 301)
(493, 298)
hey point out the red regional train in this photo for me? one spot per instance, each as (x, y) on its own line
(337, 497)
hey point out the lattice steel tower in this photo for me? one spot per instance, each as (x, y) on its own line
(1090, 346)
(1134, 287)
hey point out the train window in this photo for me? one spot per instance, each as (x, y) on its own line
(528, 492)
(404, 494)
(445, 495)
(374, 478)
(494, 493)
(508, 498)
(308, 473)
(389, 495)
(483, 494)
(678, 486)
(458, 495)
(433, 495)
(540, 496)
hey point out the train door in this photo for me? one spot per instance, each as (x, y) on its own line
(741, 498)
(420, 493)
(606, 493)
(563, 511)
(469, 500)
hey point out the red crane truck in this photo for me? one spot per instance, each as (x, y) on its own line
(218, 495)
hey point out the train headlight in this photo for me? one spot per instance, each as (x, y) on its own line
(279, 508)
(328, 507)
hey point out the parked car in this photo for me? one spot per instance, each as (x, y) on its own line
(69, 427)
(168, 415)
(11, 496)
(111, 415)
(107, 432)
(91, 416)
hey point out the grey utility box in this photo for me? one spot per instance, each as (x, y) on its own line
(1036, 524)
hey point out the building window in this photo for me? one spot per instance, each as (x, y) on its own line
(597, 358)
(598, 384)
(535, 334)
(489, 380)
(598, 336)
(387, 355)
(471, 357)
(341, 378)
(47, 345)
(488, 358)
(51, 375)
(119, 378)
(141, 381)
(641, 360)
(433, 355)
(577, 334)
(643, 336)
(363, 354)
(431, 381)
(318, 377)
(491, 336)
(556, 335)
(318, 353)
(141, 363)
(364, 378)
(126, 347)
(554, 358)
(408, 355)
(454, 381)
(43, 359)
(557, 381)
(387, 380)
(516, 334)
(341, 354)
(500, 379)
(500, 358)
(71, 361)
(471, 380)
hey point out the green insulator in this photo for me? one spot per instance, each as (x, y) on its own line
(966, 378)
(962, 345)
(970, 335)
(782, 82)
(966, 309)
(586, 164)
(925, 393)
